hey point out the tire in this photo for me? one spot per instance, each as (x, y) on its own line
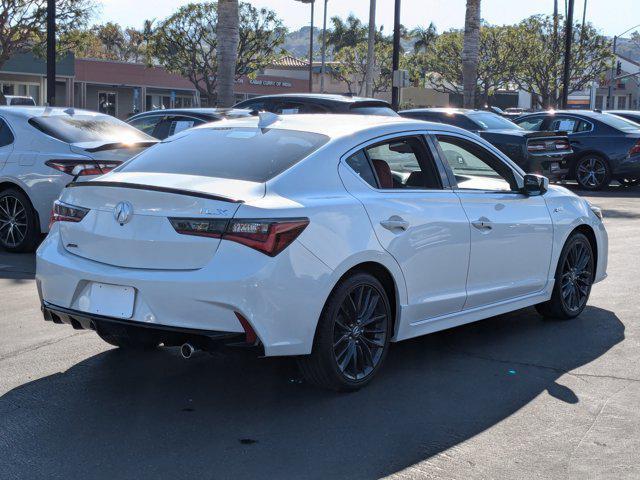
(19, 226)
(352, 337)
(128, 340)
(567, 305)
(592, 172)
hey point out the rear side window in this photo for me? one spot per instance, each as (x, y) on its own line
(251, 154)
(146, 124)
(531, 123)
(360, 164)
(6, 137)
(88, 128)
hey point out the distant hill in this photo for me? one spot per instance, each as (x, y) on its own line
(628, 49)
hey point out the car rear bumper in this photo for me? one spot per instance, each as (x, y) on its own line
(280, 297)
(555, 169)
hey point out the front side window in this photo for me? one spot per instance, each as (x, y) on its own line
(474, 167)
(250, 154)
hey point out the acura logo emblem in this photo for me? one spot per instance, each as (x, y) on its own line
(122, 213)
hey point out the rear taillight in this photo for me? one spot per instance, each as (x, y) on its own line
(635, 150)
(269, 236)
(559, 145)
(62, 212)
(83, 167)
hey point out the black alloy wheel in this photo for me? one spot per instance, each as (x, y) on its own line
(360, 332)
(352, 337)
(573, 280)
(17, 222)
(593, 173)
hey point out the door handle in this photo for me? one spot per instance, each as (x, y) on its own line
(395, 223)
(483, 225)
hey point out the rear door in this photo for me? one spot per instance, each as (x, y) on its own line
(511, 233)
(6, 142)
(417, 220)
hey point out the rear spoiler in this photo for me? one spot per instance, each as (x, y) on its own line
(154, 188)
(547, 134)
(116, 145)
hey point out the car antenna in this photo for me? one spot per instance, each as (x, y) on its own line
(47, 110)
(70, 111)
(265, 119)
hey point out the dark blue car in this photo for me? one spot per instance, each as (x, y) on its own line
(605, 147)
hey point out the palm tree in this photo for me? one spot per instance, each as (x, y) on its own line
(470, 52)
(228, 38)
(424, 37)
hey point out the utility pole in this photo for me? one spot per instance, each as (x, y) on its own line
(51, 52)
(568, 40)
(370, 49)
(324, 47)
(614, 62)
(395, 90)
(312, 2)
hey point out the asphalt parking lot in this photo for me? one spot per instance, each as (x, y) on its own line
(510, 397)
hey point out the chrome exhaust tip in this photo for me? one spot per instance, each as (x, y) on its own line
(186, 350)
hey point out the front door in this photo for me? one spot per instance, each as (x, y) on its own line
(511, 233)
(420, 223)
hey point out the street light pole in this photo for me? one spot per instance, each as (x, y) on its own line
(370, 49)
(312, 2)
(568, 40)
(395, 90)
(51, 52)
(324, 47)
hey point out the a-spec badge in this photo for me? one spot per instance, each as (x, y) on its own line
(123, 212)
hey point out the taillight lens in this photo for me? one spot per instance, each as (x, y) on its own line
(635, 150)
(559, 145)
(62, 212)
(269, 236)
(83, 167)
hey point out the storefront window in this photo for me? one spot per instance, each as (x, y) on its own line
(107, 103)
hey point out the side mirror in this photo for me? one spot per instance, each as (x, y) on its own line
(535, 184)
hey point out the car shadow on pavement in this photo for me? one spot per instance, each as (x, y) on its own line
(154, 415)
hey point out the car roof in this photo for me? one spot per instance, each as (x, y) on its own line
(27, 111)
(449, 111)
(336, 125)
(329, 97)
(214, 112)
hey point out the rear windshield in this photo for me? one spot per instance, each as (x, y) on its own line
(88, 128)
(23, 101)
(618, 122)
(491, 121)
(248, 154)
(373, 110)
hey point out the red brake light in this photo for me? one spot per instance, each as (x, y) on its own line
(62, 212)
(83, 167)
(635, 150)
(269, 236)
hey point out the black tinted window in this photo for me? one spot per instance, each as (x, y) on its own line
(360, 164)
(6, 137)
(238, 153)
(373, 110)
(88, 128)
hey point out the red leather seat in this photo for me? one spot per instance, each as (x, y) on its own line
(384, 173)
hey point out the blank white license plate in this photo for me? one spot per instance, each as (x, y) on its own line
(111, 300)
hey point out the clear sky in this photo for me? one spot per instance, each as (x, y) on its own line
(611, 17)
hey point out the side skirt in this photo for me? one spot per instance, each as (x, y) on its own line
(431, 325)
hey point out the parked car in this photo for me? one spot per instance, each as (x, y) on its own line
(16, 100)
(513, 112)
(164, 123)
(44, 149)
(536, 152)
(317, 103)
(633, 115)
(605, 146)
(337, 236)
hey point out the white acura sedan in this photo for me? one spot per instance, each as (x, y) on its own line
(320, 236)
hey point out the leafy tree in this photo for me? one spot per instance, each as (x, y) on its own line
(346, 34)
(470, 52)
(186, 43)
(496, 61)
(351, 67)
(540, 60)
(23, 25)
(424, 37)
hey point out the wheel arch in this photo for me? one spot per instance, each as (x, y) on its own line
(588, 232)
(6, 185)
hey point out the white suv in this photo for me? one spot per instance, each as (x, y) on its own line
(44, 149)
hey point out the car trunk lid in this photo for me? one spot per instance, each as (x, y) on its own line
(128, 223)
